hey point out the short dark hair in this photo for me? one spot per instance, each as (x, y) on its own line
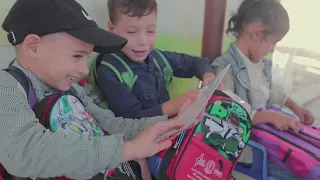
(133, 8)
(270, 13)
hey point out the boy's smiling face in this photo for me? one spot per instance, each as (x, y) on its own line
(56, 59)
(140, 32)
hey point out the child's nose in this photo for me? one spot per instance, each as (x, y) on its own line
(142, 39)
(83, 67)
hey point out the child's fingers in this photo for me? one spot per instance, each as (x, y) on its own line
(298, 124)
(308, 117)
(164, 144)
(204, 83)
(163, 127)
(294, 127)
(302, 118)
(200, 116)
(185, 105)
(221, 86)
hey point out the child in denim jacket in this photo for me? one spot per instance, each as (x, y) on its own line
(258, 26)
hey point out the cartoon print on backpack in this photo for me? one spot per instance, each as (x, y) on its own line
(69, 115)
(226, 127)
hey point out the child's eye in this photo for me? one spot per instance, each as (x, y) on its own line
(151, 32)
(131, 32)
(77, 56)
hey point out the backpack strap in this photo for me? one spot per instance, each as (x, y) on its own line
(163, 66)
(92, 76)
(25, 83)
(127, 77)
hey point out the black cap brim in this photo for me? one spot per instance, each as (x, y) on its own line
(104, 42)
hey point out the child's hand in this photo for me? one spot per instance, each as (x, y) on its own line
(145, 144)
(173, 106)
(304, 115)
(284, 122)
(207, 78)
(186, 105)
(145, 173)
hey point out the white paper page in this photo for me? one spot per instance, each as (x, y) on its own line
(190, 115)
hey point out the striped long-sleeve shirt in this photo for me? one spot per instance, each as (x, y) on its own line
(28, 149)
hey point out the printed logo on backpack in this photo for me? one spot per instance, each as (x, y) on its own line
(211, 149)
(228, 126)
(66, 113)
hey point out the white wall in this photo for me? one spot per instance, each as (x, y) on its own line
(183, 17)
(7, 55)
(97, 10)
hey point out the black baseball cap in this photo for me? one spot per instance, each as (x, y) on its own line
(42, 17)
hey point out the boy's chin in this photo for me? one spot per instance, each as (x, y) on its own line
(257, 59)
(62, 87)
(139, 59)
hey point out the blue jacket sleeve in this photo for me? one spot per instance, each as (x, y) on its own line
(119, 98)
(187, 66)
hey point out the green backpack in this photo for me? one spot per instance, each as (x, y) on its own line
(128, 77)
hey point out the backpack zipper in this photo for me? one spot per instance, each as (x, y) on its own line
(310, 135)
(183, 151)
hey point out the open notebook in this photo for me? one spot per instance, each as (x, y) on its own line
(190, 115)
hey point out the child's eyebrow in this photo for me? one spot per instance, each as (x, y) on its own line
(130, 26)
(82, 52)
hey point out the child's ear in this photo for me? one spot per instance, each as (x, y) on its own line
(31, 45)
(110, 26)
(258, 34)
(256, 31)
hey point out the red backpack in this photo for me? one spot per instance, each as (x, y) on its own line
(211, 149)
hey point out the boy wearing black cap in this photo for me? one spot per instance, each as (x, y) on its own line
(53, 39)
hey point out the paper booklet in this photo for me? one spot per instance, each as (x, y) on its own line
(190, 115)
